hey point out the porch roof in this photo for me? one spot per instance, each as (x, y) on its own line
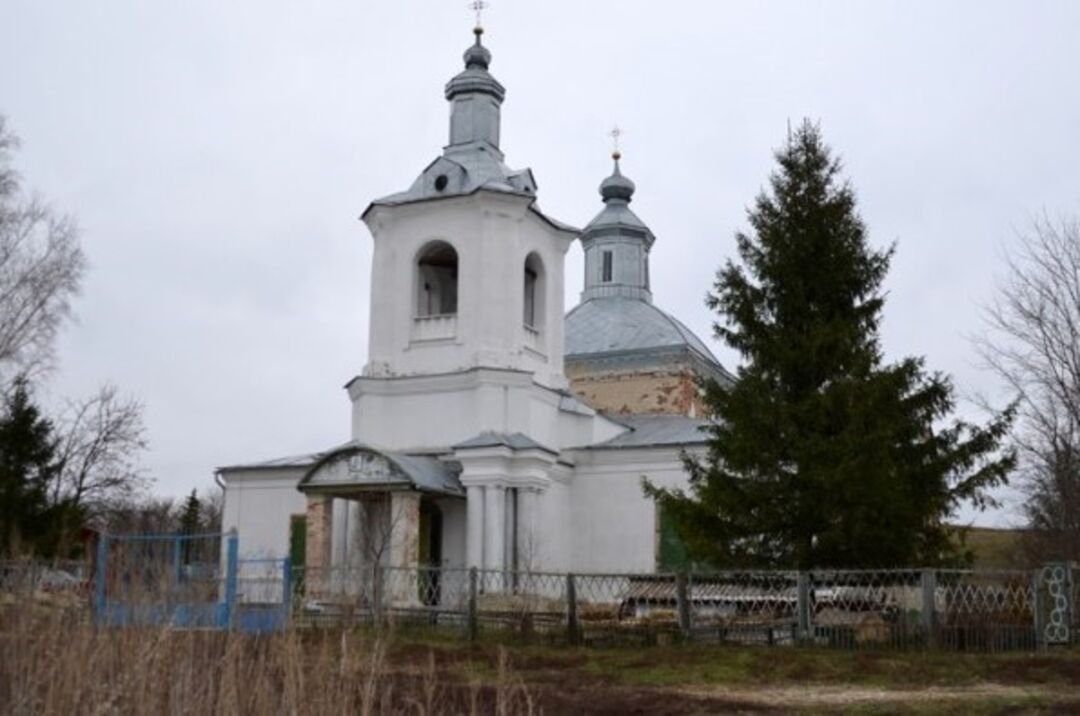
(355, 467)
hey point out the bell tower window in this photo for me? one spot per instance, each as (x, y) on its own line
(437, 280)
(605, 274)
(529, 317)
(533, 313)
(532, 317)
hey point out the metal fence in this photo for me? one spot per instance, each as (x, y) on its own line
(176, 580)
(896, 609)
(200, 582)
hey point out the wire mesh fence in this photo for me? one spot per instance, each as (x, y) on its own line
(200, 582)
(851, 609)
(28, 576)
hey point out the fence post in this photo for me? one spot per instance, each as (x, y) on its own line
(929, 606)
(101, 577)
(1070, 601)
(286, 590)
(1038, 609)
(232, 551)
(682, 602)
(803, 605)
(177, 560)
(471, 621)
(573, 628)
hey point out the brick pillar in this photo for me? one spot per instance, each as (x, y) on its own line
(401, 578)
(404, 529)
(317, 548)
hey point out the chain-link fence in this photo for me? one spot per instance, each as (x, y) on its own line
(27, 577)
(852, 609)
(197, 582)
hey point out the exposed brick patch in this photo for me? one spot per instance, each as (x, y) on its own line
(317, 548)
(670, 391)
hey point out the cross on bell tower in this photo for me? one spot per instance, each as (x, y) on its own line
(615, 133)
(478, 6)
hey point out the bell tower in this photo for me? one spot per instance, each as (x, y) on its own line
(467, 270)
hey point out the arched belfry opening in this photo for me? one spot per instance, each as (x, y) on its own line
(437, 280)
(534, 300)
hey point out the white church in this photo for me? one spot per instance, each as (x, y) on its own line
(490, 428)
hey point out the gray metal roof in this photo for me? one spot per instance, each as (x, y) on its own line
(305, 460)
(514, 441)
(472, 161)
(428, 474)
(618, 324)
(424, 472)
(656, 431)
(376, 469)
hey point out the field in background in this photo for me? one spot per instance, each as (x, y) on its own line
(996, 548)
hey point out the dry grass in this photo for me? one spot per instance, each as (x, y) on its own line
(55, 661)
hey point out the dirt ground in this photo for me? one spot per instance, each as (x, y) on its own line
(749, 680)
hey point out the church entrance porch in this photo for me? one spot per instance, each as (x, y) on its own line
(376, 527)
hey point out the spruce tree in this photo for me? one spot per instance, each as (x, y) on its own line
(822, 454)
(191, 515)
(27, 467)
(190, 524)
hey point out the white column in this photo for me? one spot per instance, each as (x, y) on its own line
(354, 545)
(494, 502)
(527, 538)
(474, 526)
(509, 528)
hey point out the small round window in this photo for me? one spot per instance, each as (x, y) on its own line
(441, 182)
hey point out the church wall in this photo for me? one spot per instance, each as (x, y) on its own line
(258, 505)
(613, 524)
(492, 235)
(663, 390)
(453, 534)
(435, 412)
(550, 548)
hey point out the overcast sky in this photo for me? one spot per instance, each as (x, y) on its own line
(217, 156)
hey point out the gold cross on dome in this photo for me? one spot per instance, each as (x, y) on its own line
(478, 6)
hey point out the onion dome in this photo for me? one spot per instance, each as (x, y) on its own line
(476, 79)
(477, 56)
(616, 187)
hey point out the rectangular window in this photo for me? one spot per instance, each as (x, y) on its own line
(606, 275)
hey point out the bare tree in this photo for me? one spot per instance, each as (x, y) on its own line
(1033, 344)
(41, 266)
(377, 536)
(143, 515)
(213, 506)
(98, 451)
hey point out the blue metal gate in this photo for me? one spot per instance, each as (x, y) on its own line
(188, 581)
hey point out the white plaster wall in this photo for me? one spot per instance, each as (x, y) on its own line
(258, 505)
(453, 535)
(612, 523)
(426, 412)
(552, 545)
(492, 234)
